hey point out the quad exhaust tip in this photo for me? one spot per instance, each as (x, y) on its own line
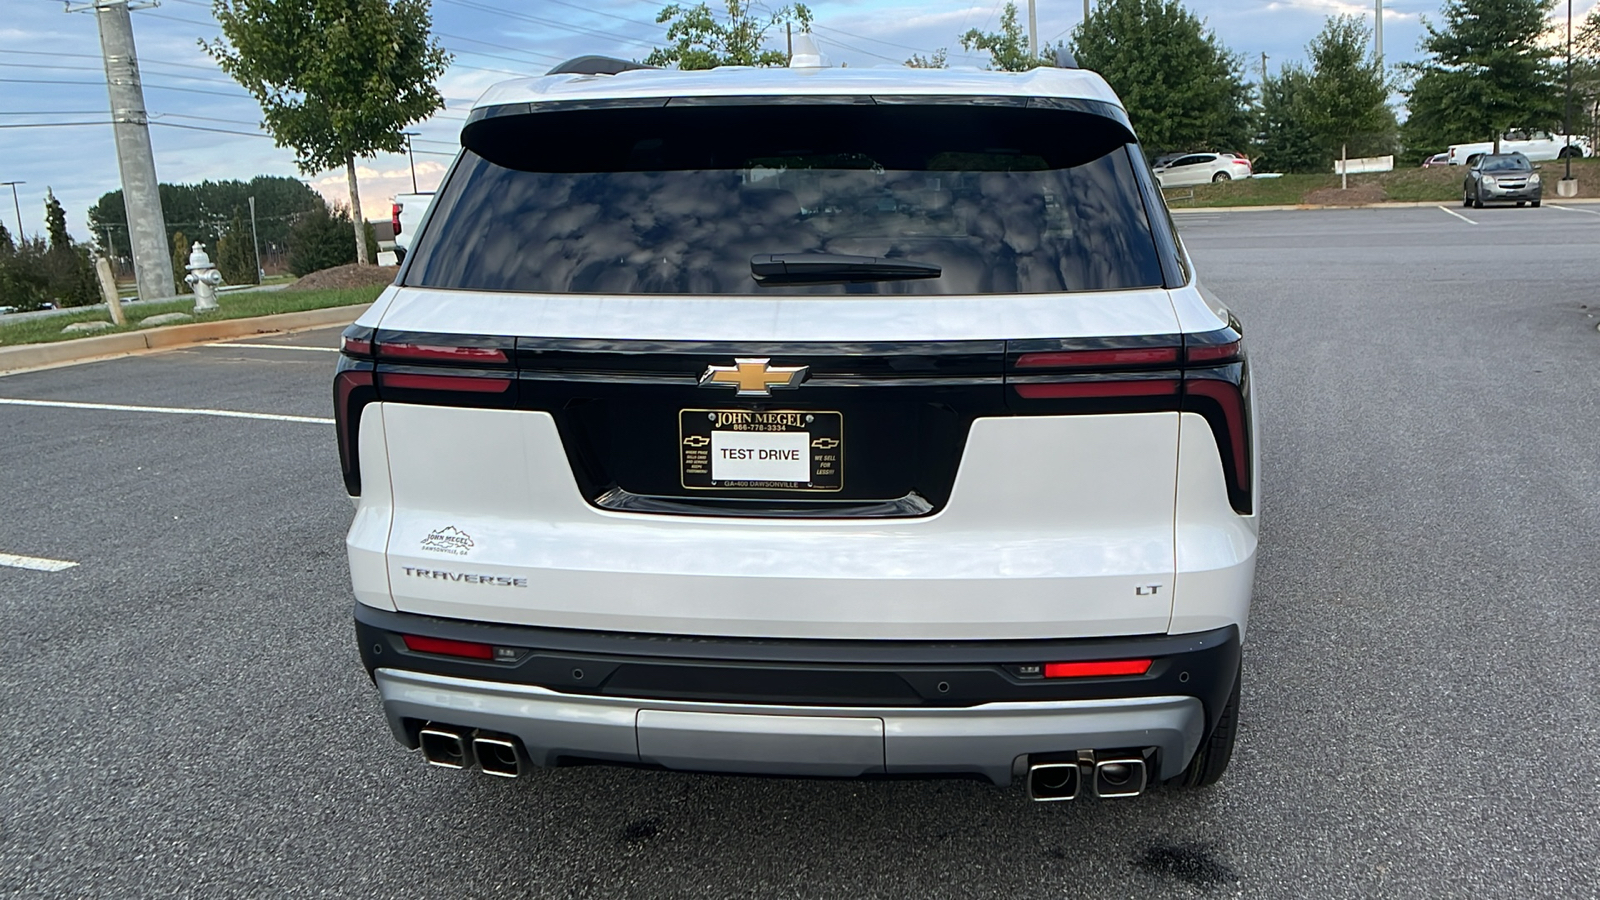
(1120, 774)
(445, 746)
(497, 755)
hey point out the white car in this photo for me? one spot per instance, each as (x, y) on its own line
(408, 212)
(1537, 146)
(834, 422)
(1200, 168)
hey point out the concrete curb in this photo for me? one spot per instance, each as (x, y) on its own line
(45, 356)
(1192, 210)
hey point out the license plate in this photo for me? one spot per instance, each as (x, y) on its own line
(775, 450)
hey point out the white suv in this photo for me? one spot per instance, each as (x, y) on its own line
(804, 421)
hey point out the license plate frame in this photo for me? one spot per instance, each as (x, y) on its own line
(824, 430)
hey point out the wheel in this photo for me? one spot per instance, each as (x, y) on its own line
(1573, 152)
(1477, 200)
(1466, 199)
(1521, 203)
(1533, 203)
(1221, 176)
(1216, 749)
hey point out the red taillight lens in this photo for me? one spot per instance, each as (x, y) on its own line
(1062, 390)
(1080, 359)
(445, 647)
(394, 213)
(444, 383)
(442, 353)
(1227, 396)
(1212, 353)
(357, 347)
(1098, 669)
(351, 391)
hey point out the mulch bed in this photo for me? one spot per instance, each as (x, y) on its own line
(341, 277)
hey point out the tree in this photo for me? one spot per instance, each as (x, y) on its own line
(202, 210)
(1347, 95)
(1486, 71)
(236, 257)
(317, 241)
(1287, 145)
(939, 59)
(1008, 47)
(336, 79)
(180, 261)
(68, 272)
(6, 244)
(700, 41)
(23, 284)
(1182, 88)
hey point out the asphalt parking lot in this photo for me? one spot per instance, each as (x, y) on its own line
(184, 713)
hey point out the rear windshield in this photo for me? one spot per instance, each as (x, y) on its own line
(678, 199)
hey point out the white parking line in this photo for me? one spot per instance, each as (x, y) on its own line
(278, 347)
(170, 410)
(36, 563)
(1587, 212)
(1458, 215)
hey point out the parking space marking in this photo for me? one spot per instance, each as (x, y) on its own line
(1587, 212)
(278, 347)
(1458, 215)
(36, 563)
(169, 410)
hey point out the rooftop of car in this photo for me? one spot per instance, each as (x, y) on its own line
(736, 81)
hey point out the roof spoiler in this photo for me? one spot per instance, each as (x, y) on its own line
(596, 65)
(1065, 59)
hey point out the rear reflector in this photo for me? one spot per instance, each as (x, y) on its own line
(1098, 669)
(1125, 356)
(444, 647)
(1091, 389)
(444, 382)
(443, 354)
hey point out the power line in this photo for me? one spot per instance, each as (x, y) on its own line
(142, 62)
(522, 50)
(49, 124)
(158, 87)
(211, 24)
(551, 23)
(53, 112)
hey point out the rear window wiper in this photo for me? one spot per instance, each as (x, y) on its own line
(835, 268)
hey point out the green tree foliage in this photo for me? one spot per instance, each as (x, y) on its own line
(203, 211)
(939, 59)
(236, 258)
(24, 285)
(700, 40)
(1346, 102)
(1586, 77)
(1486, 71)
(6, 244)
(181, 247)
(68, 272)
(319, 240)
(1182, 88)
(336, 79)
(1008, 47)
(1287, 145)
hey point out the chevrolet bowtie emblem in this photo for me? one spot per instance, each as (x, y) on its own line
(753, 377)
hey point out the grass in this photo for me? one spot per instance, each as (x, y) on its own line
(1412, 184)
(233, 306)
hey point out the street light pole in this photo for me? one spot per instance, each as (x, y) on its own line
(1566, 126)
(412, 157)
(261, 273)
(15, 204)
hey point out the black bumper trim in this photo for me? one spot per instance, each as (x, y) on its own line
(806, 672)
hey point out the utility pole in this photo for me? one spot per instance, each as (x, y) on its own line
(788, 42)
(1377, 33)
(147, 230)
(412, 157)
(1566, 125)
(1033, 30)
(1086, 10)
(15, 204)
(1263, 76)
(255, 242)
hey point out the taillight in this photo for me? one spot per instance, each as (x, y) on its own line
(1061, 390)
(469, 383)
(1097, 669)
(440, 353)
(1084, 359)
(447, 647)
(394, 213)
(352, 391)
(445, 369)
(356, 346)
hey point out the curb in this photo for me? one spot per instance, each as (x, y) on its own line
(44, 356)
(1191, 210)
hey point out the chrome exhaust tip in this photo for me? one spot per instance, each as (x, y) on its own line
(445, 746)
(1120, 776)
(497, 755)
(1053, 781)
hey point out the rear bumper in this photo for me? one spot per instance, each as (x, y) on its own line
(991, 739)
(799, 707)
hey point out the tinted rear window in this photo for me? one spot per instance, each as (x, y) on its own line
(676, 200)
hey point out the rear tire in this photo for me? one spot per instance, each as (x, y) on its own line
(1477, 201)
(1466, 199)
(1521, 203)
(1533, 203)
(1216, 749)
(1573, 152)
(1221, 176)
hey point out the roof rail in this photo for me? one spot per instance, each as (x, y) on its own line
(596, 65)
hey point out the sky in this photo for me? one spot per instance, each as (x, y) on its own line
(207, 127)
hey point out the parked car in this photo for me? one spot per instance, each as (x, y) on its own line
(407, 212)
(1199, 168)
(1538, 146)
(1501, 178)
(731, 432)
(1438, 159)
